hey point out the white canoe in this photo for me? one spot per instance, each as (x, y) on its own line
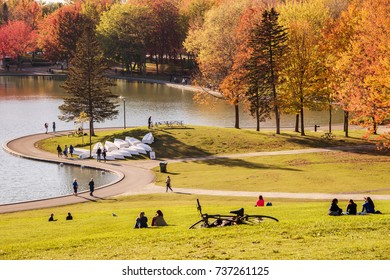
(132, 140)
(96, 146)
(132, 150)
(110, 146)
(148, 138)
(120, 143)
(79, 151)
(146, 147)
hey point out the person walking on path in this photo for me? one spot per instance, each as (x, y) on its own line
(75, 186)
(46, 127)
(54, 127)
(66, 151)
(150, 122)
(99, 154)
(71, 150)
(168, 184)
(59, 151)
(104, 154)
(91, 187)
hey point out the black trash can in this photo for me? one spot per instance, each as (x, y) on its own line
(163, 166)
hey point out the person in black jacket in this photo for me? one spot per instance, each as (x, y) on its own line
(351, 208)
(334, 209)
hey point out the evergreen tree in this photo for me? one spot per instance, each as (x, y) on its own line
(87, 85)
(268, 42)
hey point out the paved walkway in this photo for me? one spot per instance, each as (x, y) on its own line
(136, 177)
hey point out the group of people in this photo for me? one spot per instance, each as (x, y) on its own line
(91, 185)
(68, 218)
(101, 153)
(368, 207)
(158, 220)
(46, 125)
(67, 150)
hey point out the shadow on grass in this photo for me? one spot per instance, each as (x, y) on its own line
(229, 162)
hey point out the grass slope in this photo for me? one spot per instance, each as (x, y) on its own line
(304, 231)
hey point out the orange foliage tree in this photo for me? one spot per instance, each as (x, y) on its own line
(365, 66)
(17, 38)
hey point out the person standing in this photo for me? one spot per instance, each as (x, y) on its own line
(66, 151)
(150, 122)
(99, 154)
(91, 186)
(71, 150)
(168, 184)
(104, 154)
(54, 127)
(59, 151)
(75, 186)
(46, 127)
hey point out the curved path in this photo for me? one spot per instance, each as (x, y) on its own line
(136, 177)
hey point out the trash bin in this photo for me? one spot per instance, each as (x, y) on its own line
(163, 166)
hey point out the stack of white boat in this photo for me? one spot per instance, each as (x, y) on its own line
(120, 149)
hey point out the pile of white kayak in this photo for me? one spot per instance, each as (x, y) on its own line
(120, 149)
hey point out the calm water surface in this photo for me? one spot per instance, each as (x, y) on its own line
(26, 103)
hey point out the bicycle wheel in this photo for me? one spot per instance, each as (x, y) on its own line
(199, 224)
(257, 219)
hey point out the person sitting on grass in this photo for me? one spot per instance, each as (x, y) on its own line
(334, 209)
(158, 220)
(260, 201)
(51, 218)
(69, 217)
(369, 207)
(141, 221)
(351, 208)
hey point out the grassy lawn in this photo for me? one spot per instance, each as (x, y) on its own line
(199, 141)
(305, 231)
(331, 172)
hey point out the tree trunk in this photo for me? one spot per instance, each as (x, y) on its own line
(296, 123)
(346, 115)
(237, 115)
(330, 118)
(257, 120)
(375, 126)
(302, 120)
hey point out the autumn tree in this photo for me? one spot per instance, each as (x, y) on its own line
(215, 45)
(303, 66)
(168, 31)
(16, 39)
(365, 67)
(59, 32)
(125, 31)
(87, 86)
(268, 42)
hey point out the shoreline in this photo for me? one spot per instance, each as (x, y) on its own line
(137, 178)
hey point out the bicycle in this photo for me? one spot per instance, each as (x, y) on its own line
(328, 136)
(217, 220)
